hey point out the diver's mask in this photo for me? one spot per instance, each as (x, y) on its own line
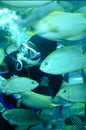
(28, 55)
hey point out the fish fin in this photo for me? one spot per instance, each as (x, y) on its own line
(2, 108)
(55, 105)
(2, 55)
(64, 84)
(21, 127)
(81, 14)
(19, 102)
(56, 12)
(78, 37)
(2, 79)
(31, 33)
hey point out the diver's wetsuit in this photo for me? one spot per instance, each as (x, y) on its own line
(54, 81)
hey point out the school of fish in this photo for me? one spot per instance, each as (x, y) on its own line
(57, 21)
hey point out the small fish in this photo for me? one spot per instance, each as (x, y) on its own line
(64, 60)
(20, 116)
(19, 84)
(61, 26)
(24, 4)
(36, 100)
(73, 92)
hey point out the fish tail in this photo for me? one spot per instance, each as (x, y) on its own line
(54, 105)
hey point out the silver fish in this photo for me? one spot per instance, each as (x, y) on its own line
(64, 60)
(20, 116)
(19, 84)
(73, 92)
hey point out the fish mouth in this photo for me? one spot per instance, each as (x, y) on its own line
(43, 70)
(40, 68)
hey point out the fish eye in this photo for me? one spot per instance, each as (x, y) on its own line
(8, 115)
(33, 82)
(46, 63)
(64, 91)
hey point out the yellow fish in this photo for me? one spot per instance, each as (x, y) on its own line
(36, 100)
(62, 26)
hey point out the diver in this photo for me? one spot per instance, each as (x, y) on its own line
(26, 61)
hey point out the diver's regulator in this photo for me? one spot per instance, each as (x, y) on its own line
(27, 55)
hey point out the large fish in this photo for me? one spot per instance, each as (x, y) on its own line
(73, 92)
(24, 118)
(19, 84)
(21, 117)
(64, 60)
(62, 26)
(36, 100)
